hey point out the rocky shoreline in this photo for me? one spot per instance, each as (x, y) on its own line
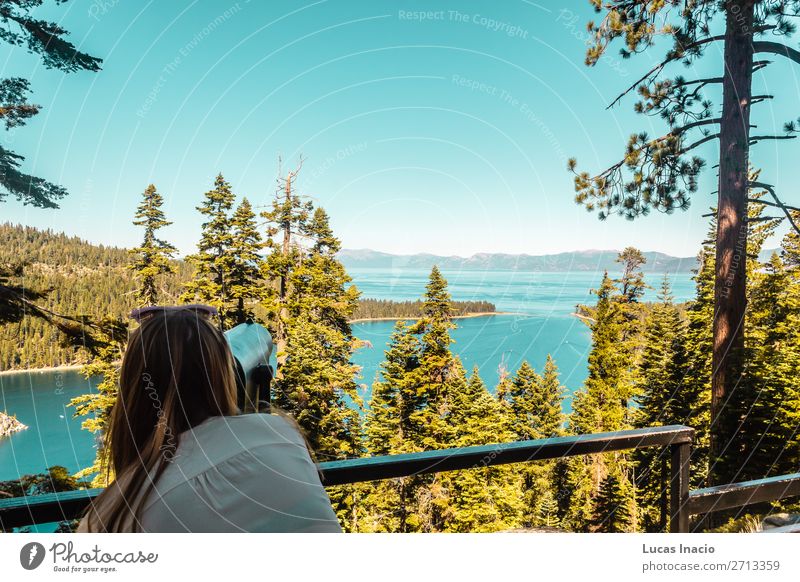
(9, 425)
(45, 370)
(415, 318)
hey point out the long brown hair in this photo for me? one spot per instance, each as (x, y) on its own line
(177, 372)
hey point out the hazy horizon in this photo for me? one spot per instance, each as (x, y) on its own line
(182, 256)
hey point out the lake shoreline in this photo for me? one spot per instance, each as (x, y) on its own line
(42, 370)
(583, 318)
(49, 369)
(467, 316)
(68, 367)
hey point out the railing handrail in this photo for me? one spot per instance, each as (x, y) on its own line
(441, 460)
(744, 493)
(50, 507)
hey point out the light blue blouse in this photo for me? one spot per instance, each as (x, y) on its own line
(246, 473)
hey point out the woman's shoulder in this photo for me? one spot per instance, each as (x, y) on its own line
(249, 430)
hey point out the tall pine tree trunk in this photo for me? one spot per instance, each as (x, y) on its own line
(283, 312)
(731, 250)
(223, 295)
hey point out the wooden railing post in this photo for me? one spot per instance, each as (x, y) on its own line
(679, 488)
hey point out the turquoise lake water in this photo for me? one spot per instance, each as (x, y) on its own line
(53, 437)
(541, 324)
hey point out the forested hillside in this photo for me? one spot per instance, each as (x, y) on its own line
(79, 278)
(82, 278)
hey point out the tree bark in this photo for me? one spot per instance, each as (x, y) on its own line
(283, 312)
(731, 247)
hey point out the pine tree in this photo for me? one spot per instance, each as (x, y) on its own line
(213, 260)
(319, 283)
(434, 328)
(632, 285)
(436, 378)
(770, 427)
(661, 373)
(105, 342)
(661, 366)
(548, 515)
(577, 482)
(520, 397)
(612, 508)
(436, 372)
(316, 379)
(245, 286)
(151, 259)
(389, 426)
(742, 418)
(420, 379)
(549, 400)
(391, 429)
(692, 404)
(661, 173)
(534, 411)
(788, 348)
(601, 405)
(479, 499)
(317, 387)
(790, 245)
(286, 221)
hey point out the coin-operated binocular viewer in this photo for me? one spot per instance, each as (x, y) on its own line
(251, 346)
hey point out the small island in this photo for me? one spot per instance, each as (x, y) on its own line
(9, 425)
(388, 310)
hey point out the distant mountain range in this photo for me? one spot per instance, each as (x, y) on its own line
(591, 260)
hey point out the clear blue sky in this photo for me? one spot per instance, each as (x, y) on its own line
(448, 134)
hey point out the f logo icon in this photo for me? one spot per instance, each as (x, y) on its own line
(31, 555)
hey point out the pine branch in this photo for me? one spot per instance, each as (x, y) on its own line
(776, 48)
(688, 126)
(757, 138)
(758, 65)
(652, 73)
(700, 142)
(660, 67)
(706, 81)
(769, 188)
(767, 203)
(673, 133)
(759, 98)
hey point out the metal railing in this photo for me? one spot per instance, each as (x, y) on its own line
(53, 507)
(734, 495)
